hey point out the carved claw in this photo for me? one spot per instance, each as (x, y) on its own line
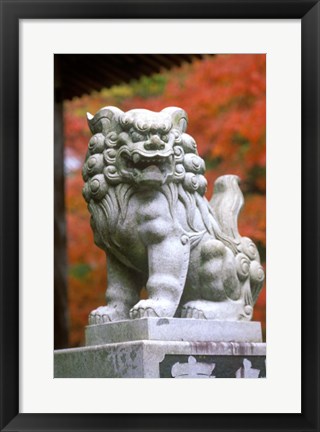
(229, 309)
(141, 313)
(190, 312)
(96, 318)
(104, 314)
(152, 308)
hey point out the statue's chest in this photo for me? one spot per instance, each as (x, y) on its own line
(147, 220)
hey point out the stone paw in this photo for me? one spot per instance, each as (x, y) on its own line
(151, 308)
(104, 314)
(192, 312)
(227, 310)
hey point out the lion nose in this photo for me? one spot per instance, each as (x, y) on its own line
(154, 143)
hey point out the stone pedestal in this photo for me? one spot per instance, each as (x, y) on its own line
(166, 348)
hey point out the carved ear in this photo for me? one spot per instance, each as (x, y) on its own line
(179, 117)
(105, 120)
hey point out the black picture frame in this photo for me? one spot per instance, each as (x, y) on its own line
(11, 12)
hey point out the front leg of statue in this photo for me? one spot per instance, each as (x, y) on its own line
(168, 266)
(122, 293)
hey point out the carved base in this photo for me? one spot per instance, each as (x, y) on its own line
(159, 359)
(201, 349)
(173, 329)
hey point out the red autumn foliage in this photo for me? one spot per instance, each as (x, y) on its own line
(225, 98)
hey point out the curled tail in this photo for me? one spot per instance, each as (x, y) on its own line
(226, 204)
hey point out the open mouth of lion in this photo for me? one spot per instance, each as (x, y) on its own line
(151, 167)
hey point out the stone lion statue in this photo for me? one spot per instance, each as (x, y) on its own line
(145, 186)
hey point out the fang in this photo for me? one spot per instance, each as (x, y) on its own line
(136, 158)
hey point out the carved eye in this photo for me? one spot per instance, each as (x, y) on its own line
(136, 136)
(165, 138)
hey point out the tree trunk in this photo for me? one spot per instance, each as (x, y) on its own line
(61, 327)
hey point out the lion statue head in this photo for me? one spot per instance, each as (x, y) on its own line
(141, 148)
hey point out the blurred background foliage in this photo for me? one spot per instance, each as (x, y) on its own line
(225, 98)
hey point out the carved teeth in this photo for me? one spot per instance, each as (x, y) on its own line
(136, 158)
